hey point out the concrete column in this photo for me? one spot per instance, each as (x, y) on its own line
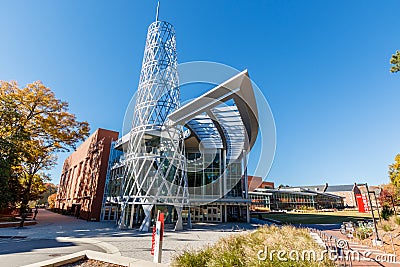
(226, 213)
(179, 224)
(137, 215)
(131, 217)
(189, 223)
(122, 224)
(245, 182)
(221, 171)
(147, 219)
(203, 178)
(248, 213)
(224, 177)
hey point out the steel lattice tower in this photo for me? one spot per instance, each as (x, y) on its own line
(155, 162)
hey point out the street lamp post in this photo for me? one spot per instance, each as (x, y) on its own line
(372, 212)
(377, 207)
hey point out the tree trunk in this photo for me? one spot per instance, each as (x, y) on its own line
(23, 215)
(25, 201)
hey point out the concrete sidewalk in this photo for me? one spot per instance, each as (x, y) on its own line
(51, 225)
(129, 243)
(17, 252)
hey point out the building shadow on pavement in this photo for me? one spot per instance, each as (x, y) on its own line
(10, 246)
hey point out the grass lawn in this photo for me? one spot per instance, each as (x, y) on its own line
(318, 217)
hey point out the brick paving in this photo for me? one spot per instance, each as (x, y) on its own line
(374, 256)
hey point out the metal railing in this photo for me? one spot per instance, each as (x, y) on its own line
(337, 246)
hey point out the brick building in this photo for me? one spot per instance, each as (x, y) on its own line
(257, 182)
(348, 192)
(83, 177)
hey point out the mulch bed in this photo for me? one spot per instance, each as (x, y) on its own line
(90, 263)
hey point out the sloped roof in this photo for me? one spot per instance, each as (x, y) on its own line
(319, 188)
(340, 188)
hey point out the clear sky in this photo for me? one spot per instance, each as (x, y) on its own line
(322, 65)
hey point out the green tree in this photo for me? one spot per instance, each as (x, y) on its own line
(395, 60)
(394, 171)
(34, 126)
(50, 189)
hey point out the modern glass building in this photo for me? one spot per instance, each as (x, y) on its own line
(293, 198)
(217, 138)
(188, 161)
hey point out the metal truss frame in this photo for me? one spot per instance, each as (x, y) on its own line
(155, 164)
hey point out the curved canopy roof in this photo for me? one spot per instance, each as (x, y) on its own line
(204, 129)
(218, 125)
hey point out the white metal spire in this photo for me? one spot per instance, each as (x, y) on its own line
(158, 8)
(155, 163)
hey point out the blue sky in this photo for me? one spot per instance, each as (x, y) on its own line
(322, 65)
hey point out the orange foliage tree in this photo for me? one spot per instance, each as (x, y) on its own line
(51, 200)
(34, 126)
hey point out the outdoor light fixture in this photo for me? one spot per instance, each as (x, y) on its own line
(377, 240)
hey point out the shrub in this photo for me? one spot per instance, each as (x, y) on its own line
(387, 227)
(242, 249)
(386, 212)
(192, 258)
(363, 232)
(397, 220)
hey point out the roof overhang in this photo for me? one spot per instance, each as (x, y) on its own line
(239, 89)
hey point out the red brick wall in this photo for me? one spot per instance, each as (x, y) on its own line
(84, 174)
(257, 182)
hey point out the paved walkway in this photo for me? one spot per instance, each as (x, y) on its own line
(56, 235)
(130, 243)
(17, 252)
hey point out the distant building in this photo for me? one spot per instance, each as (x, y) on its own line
(317, 188)
(255, 182)
(293, 198)
(348, 192)
(83, 177)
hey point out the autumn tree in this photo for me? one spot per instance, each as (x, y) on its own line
(389, 195)
(394, 171)
(395, 60)
(34, 126)
(52, 200)
(10, 150)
